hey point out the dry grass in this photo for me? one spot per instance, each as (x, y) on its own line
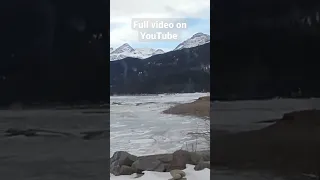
(199, 108)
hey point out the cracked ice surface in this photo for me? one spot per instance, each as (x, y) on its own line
(137, 124)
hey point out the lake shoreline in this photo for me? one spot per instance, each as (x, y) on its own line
(198, 108)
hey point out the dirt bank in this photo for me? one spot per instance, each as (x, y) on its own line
(199, 108)
(291, 144)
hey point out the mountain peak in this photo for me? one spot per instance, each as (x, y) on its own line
(158, 51)
(123, 48)
(127, 51)
(125, 45)
(196, 40)
(199, 34)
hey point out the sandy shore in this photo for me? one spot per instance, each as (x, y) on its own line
(199, 108)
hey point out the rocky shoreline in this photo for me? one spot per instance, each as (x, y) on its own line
(124, 163)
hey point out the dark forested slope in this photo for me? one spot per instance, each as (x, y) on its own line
(186, 70)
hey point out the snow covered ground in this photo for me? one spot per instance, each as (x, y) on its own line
(138, 126)
(190, 174)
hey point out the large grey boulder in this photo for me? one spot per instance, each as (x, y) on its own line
(148, 164)
(195, 158)
(119, 159)
(202, 165)
(180, 159)
(165, 158)
(126, 170)
(177, 174)
(205, 155)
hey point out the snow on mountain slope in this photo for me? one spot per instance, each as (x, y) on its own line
(148, 51)
(127, 51)
(142, 53)
(196, 40)
(125, 48)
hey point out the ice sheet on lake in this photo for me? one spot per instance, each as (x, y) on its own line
(137, 124)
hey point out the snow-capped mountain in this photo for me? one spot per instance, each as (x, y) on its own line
(142, 53)
(196, 40)
(127, 51)
(125, 48)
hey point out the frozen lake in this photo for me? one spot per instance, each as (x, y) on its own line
(137, 124)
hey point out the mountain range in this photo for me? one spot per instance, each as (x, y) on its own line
(126, 50)
(182, 70)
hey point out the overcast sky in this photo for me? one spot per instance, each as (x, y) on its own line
(122, 12)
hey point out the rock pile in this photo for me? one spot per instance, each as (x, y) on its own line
(123, 163)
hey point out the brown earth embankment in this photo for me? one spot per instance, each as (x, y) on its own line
(199, 108)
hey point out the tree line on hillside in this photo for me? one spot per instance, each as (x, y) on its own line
(181, 71)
